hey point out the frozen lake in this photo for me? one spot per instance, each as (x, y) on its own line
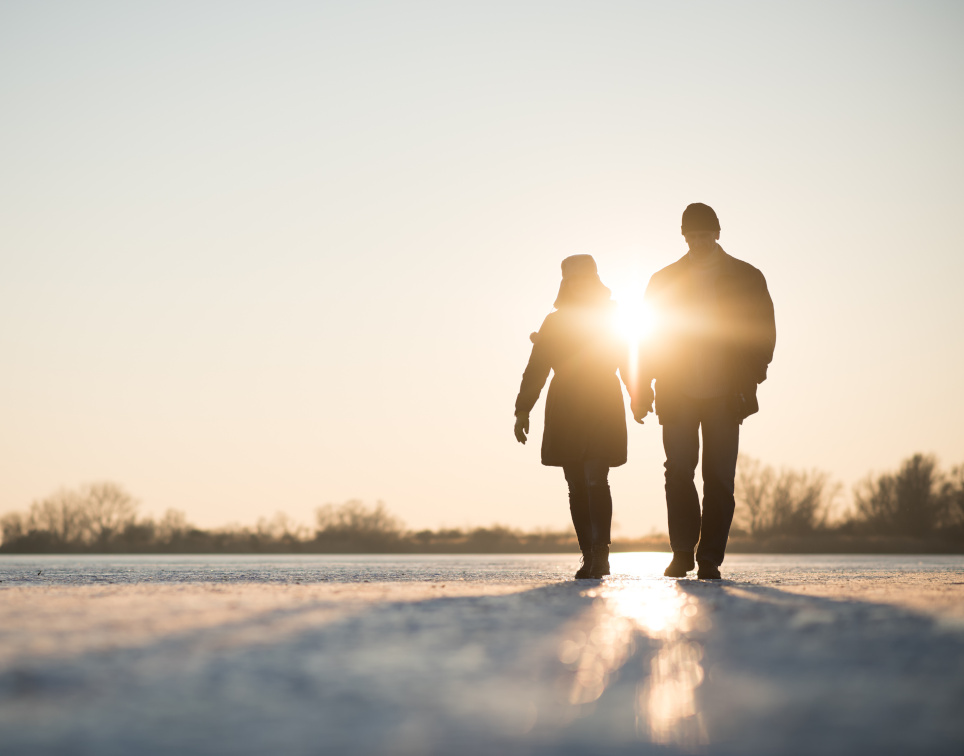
(479, 655)
(353, 568)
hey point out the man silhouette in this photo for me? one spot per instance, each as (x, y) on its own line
(712, 340)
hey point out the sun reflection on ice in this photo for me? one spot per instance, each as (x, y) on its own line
(637, 601)
(666, 708)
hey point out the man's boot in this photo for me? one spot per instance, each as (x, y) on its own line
(708, 571)
(682, 563)
(583, 572)
(600, 560)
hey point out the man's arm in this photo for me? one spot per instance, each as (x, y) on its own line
(764, 330)
(646, 357)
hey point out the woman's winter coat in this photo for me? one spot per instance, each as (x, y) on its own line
(585, 413)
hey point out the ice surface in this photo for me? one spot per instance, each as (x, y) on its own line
(479, 655)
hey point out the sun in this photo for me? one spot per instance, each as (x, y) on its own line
(635, 320)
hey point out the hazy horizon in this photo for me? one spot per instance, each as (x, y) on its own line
(267, 257)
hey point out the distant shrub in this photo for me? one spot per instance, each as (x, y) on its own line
(498, 538)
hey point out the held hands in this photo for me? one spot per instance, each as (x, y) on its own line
(521, 428)
(643, 404)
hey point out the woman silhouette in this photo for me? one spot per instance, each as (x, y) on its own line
(585, 429)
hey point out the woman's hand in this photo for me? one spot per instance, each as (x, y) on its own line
(521, 428)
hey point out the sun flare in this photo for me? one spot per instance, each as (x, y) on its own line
(635, 320)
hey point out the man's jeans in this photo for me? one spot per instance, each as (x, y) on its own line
(721, 442)
(590, 502)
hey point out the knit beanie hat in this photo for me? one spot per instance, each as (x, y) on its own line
(700, 217)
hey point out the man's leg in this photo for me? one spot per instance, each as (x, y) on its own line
(682, 445)
(721, 444)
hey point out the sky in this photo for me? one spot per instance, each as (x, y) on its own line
(260, 257)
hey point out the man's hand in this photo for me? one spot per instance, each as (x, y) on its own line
(744, 400)
(643, 405)
(521, 428)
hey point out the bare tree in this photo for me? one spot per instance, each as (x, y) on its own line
(788, 502)
(281, 527)
(914, 501)
(91, 513)
(754, 490)
(107, 509)
(352, 526)
(172, 525)
(61, 515)
(354, 517)
(13, 526)
(955, 494)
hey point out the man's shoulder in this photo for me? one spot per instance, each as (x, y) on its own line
(731, 266)
(671, 271)
(741, 268)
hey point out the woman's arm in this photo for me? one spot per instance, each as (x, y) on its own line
(533, 379)
(535, 375)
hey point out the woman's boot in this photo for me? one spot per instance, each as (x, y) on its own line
(600, 560)
(583, 572)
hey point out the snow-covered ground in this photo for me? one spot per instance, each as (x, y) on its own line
(479, 655)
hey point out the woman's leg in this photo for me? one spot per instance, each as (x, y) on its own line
(579, 505)
(600, 501)
(600, 514)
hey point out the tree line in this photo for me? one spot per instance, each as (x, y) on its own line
(917, 507)
(103, 518)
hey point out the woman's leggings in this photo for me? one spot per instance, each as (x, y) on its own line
(590, 502)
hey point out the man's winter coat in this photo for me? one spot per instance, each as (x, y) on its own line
(740, 323)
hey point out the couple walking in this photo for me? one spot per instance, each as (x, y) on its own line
(710, 347)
